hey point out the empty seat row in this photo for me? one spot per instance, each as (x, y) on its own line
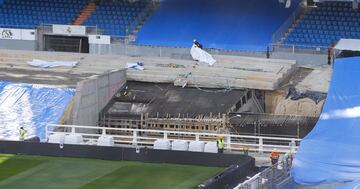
(117, 18)
(325, 25)
(29, 14)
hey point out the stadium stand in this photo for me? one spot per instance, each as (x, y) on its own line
(325, 24)
(231, 25)
(117, 18)
(28, 14)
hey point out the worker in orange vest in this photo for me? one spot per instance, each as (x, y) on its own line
(274, 156)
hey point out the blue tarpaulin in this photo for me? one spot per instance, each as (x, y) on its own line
(331, 152)
(30, 106)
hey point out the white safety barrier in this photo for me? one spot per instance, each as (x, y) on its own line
(180, 145)
(145, 137)
(162, 144)
(196, 146)
(105, 141)
(211, 147)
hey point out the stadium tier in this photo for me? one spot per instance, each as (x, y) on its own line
(28, 14)
(117, 18)
(232, 25)
(326, 24)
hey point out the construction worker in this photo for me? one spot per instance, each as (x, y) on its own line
(274, 156)
(220, 144)
(196, 43)
(22, 133)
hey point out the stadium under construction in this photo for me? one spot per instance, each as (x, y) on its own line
(157, 86)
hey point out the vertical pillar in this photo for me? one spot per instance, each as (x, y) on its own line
(261, 147)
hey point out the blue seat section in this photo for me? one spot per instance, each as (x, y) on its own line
(30, 13)
(331, 153)
(230, 24)
(30, 106)
(326, 24)
(117, 18)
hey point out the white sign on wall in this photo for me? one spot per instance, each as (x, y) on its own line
(28, 34)
(17, 34)
(99, 39)
(69, 30)
(8, 33)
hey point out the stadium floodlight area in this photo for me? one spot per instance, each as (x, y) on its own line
(29, 14)
(326, 24)
(231, 24)
(117, 18)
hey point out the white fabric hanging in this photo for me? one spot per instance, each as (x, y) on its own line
(201, 55)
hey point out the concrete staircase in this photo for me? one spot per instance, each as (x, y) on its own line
(85, 13)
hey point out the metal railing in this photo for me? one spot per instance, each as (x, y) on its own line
(297, 48)
(143, 137)
(272, 177)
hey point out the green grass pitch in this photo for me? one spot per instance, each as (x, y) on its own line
(38, 172)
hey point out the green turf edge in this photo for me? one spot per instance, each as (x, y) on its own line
(10, 165)
(150, 176)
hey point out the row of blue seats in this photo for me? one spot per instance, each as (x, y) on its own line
(335, 9)
(342, 19)
(61, 10)
(325, 25)
(324, 32)
(124, 15)
(328, 27)
(128, 4)
(33, 2)
(326, 36)
(39, 8)
(334, 4)
(345, 11)
(31, 13)
(34, 21)
(115, 18)
(328, 22)
(108, 23)
(331, 13)
(308, 42)
(108, 12)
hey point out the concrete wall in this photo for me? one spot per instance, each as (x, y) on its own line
(157, 51)
(93, 94)
(17, 44)
(244, 162)
(311, 58)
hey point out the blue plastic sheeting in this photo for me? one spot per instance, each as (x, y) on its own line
(331, 152)
(30, 106)
(230, 24)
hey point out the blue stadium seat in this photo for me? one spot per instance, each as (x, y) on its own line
(326, 24)
(115, 16)
(29, 13)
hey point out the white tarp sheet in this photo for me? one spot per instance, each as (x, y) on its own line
(201, 55)
(348, 44)
(52, 64)
(135, 66)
